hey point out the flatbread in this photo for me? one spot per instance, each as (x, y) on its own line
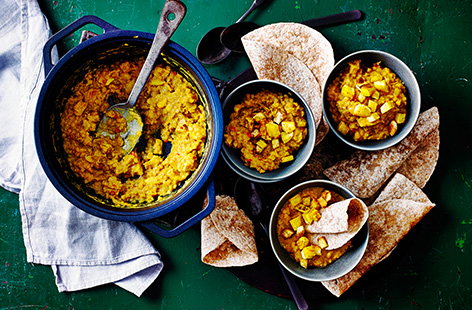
(399, 207)
(339, 223)
(296, 55)
(420, 165)
(364, 173)
(272, 64)
(305, 43)
(227, 236)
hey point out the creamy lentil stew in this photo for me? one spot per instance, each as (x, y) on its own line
(368, 102)
(172, 115)
(300, 210)
(267, 127)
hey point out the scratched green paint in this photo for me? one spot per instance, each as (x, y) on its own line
(430, 268)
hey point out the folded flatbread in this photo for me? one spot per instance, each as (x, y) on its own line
(399, 207)
(364, 173)
(227, 236)
(295, 55)
(339, 223)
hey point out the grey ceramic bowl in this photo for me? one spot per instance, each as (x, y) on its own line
(232, 156)
(334, 270)
(413, 97)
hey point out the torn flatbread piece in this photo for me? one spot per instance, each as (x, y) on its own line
(364, 173)
(227, 236)
(296, 55)
(420, 165)
(301, 41)
(399, 207)
(339, 223)
(272, 64)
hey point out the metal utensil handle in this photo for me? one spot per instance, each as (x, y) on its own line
(172, 14)
(253, 6)
(297, 295)
(334, 19)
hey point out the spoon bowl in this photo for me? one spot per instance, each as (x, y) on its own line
(210, 50)
(172, 14)
(231, 36)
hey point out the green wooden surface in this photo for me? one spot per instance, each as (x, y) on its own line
(430, 269)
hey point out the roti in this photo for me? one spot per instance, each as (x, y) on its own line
(364, 173)
(399, 207)
(271, 63)
(295, 55)
(303, 42)
(339, 222)
(227, 236)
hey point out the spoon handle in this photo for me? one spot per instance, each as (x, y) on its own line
(294, 289)
(254, 5)
(334, 19)
(172, 14)
(297, 295)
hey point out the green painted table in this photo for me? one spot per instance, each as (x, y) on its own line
(430, 269)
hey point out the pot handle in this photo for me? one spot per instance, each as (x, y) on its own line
(210, 205)
(67, 30)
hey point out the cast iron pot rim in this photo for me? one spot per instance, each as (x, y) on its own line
(136, 215)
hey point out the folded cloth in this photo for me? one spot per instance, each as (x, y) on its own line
(84, 251)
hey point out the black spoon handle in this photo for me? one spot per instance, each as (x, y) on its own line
(294, 289)
(334, 19)
(297, 295)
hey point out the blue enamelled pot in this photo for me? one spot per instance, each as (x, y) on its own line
(115, 44)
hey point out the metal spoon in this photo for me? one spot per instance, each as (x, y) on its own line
(231, 35)
(171, 16)
(210, 50)
(255, 206)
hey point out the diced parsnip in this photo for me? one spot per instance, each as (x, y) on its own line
(287, 233)
(372, 105)
(361, 110)
(381, 85)
(400, 118)
(287, 158)
(322, 242)
(387, 106)
(258, 116)
(373, 117)
(295, 200)
(347, 91)
(296, 222)
(278, 117)
(310, 251)
(343, 128)
(286, 137)
(273, 130)
(288, 126)
(367, 91)
(392, 128)
(300, 231)
(303, 242)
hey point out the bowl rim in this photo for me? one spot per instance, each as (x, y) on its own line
(414, 110)
(278, 174)
(355, 255)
